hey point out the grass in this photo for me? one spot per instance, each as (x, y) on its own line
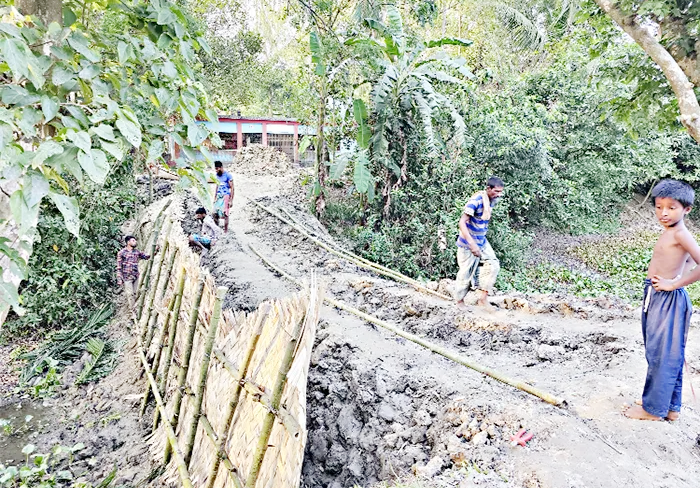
(618, 266)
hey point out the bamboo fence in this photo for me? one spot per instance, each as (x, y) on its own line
(229, 388)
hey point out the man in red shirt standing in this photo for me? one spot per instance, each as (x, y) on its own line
(128, 268)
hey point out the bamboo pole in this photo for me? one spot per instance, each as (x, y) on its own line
(153, 318)
(153, 290)
(146, 395)
(372, 264)
(143, 286)
(276, 399)
(363, 264)
(442, 351)
(204, 372)
(148, 309)
(182, 377)
(169, 431)
(239, 376)
(171, 340)
(221, 456)
(174, 301)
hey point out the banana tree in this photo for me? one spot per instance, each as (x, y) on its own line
(407, 94)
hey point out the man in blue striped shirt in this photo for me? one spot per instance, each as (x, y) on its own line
(478, 264)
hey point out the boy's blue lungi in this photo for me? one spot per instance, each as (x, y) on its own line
(665, 324)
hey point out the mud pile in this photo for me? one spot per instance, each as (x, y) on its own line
(259, 160)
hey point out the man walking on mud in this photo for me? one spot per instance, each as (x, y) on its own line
(223, 195)
(478, 264)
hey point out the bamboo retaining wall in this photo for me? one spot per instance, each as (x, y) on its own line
(230, 388)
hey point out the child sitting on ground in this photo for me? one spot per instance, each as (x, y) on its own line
(209, 233)
(666, 307)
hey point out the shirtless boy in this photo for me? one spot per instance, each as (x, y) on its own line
(666, 306)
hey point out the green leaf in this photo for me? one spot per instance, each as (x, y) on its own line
(61, 75)
(449, 41)
(317, 53)
(69, 209)
(10, 29)
(69, 17)
(80, 139)
(67, 161)
(46, 150)
(104, 131)
(29, 121)
(80, 43)
(166, 16)
(364, 132)
(49, 106)
(28, 449)
(95, 165)
(155, 150)
(26, 217)
(169, 69)
(79, 114)
(213, 118)
(17, 95)
(362, 178)
(22, 61)
(116, 149)
(130, 131)
(196, 134)
(34, 188)
(89, 72)
(123, 51)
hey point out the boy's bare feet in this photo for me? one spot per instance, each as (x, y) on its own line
(672, 416)
(638, 413)
(461, 305)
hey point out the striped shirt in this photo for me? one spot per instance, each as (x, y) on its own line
(476, 226)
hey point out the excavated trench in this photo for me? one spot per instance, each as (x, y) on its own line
(380, 407)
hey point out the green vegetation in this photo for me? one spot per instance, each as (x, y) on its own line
(55, 469)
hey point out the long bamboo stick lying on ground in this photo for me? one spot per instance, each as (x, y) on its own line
(458, 358)
(169, 432)
(372, 267)
(350, 256)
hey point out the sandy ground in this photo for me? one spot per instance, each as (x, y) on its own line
(381, 407)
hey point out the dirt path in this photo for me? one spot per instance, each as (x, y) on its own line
(380, 405)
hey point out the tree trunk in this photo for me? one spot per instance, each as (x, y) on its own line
(47, 10)
(682, 87)
(320, 200)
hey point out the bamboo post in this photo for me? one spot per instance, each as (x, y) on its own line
(153, 318)
(169, 431)
(182, 377)
(427, 344)
(171, 341)
(146, 277)
(238, 388)
(156, 359)
(204, 372)
(276, 399)
(148, 303)
(153, 290)
(366, 264)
